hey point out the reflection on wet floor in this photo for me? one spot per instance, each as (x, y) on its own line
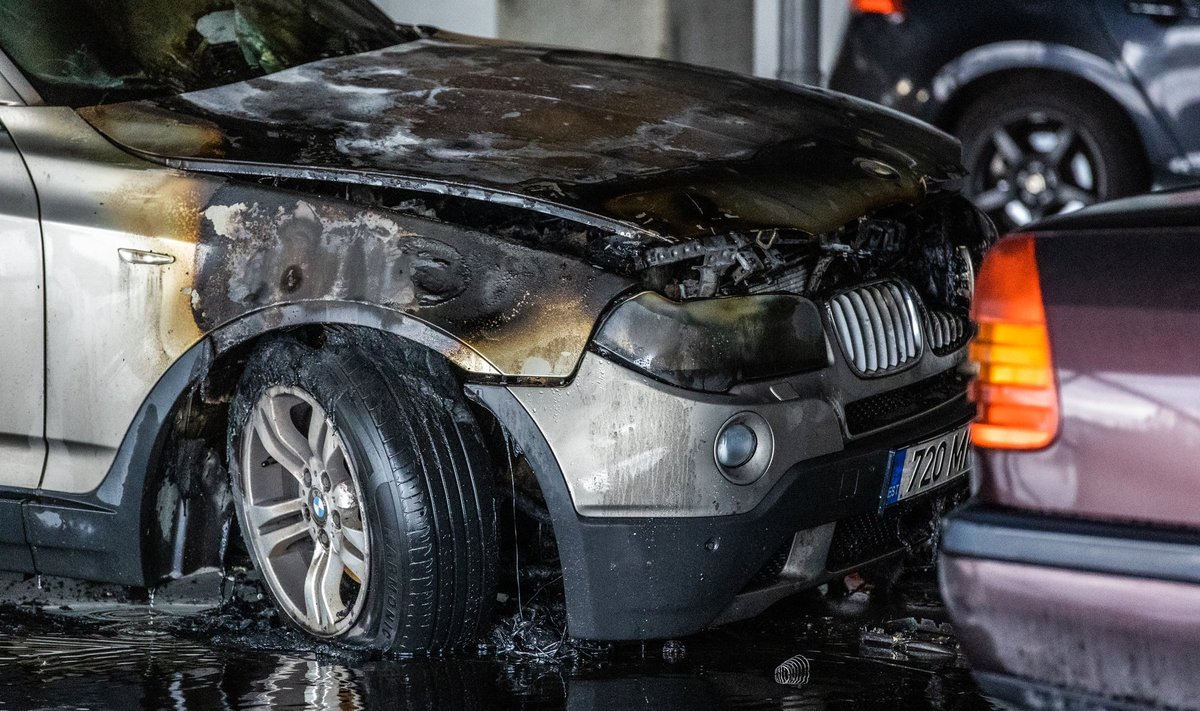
(104, 654)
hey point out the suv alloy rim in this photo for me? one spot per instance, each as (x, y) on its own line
(1035, 165)
(301, 501)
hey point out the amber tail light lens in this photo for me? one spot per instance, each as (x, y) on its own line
(1015, 388)
(877, 7)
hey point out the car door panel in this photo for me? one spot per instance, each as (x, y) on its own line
(1160, 44)
(113, 327)
(22, 312)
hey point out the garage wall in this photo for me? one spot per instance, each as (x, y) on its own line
(742, 35)
(835, 15)
(715, 33)
(473, 17)
(624, 26)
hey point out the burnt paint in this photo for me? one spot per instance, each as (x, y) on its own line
(528, 312)
(680, 149)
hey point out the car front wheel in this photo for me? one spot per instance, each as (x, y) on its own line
(363, 491)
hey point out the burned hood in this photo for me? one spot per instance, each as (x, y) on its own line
(665, 147)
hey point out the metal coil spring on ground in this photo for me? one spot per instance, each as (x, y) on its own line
(793, 672)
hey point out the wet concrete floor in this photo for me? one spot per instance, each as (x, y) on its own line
(106, 651)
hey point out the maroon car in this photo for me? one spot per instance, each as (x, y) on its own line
(1073, 575)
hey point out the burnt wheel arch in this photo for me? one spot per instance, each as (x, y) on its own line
(130, 540)
(194, 433)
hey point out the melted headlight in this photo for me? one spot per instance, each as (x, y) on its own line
(713, 344)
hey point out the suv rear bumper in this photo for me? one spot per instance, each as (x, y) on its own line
(1074, 609)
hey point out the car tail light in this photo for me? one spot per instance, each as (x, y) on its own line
(877, 7)
(1015, 388)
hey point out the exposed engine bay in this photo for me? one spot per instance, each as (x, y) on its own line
(935, 246)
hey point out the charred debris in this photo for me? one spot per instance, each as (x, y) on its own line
(935, 245)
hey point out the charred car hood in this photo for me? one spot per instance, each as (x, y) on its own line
(664, 147)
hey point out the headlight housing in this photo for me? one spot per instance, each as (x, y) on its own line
(713, 344)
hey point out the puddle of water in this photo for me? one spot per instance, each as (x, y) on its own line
(102, 655)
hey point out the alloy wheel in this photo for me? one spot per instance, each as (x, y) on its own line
(1033, 165)
(303, 514)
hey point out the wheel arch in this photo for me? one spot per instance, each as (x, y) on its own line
(523, 439)
(196, 426)
(164, 508)
(963, 80)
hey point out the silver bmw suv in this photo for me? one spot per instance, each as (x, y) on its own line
(285, 281)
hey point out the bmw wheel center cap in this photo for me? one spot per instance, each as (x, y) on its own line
(318, 507)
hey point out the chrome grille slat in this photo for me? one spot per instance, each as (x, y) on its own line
(889, 327)
(902, 350)
(862, 322)
(947, 331)
(912, 338)
(841, 326)
(878, 327)
(876, 320)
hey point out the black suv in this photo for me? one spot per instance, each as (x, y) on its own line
(1058, 103)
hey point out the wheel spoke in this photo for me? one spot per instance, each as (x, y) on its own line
(279, 540)
(1018, 213)
(1065, 137)
(263, 515)
(280, 438)
(354, 562)
(321, 439)
(992, 200)
(355, 538)
(1007, 147)
(321, 588)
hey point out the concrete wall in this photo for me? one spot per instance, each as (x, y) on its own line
(716, 33)
(473, 17)
(835, 15)
(624, 26)
(742, 35)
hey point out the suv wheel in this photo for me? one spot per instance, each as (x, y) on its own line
(364, 493)
(1042, 150)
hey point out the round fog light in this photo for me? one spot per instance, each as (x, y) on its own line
(743, 448)
(736, 445)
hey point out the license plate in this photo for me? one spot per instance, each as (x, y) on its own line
(928, 465)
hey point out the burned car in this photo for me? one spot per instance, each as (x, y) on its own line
(287, 274)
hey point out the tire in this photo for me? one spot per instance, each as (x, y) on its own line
(404, 470)
(1103, 134)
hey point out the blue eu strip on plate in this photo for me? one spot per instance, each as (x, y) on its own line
(897, 475)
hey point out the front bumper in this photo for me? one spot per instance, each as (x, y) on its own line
(1061, 612)
(662, 545)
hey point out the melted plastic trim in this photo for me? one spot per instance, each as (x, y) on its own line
(710, 345)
